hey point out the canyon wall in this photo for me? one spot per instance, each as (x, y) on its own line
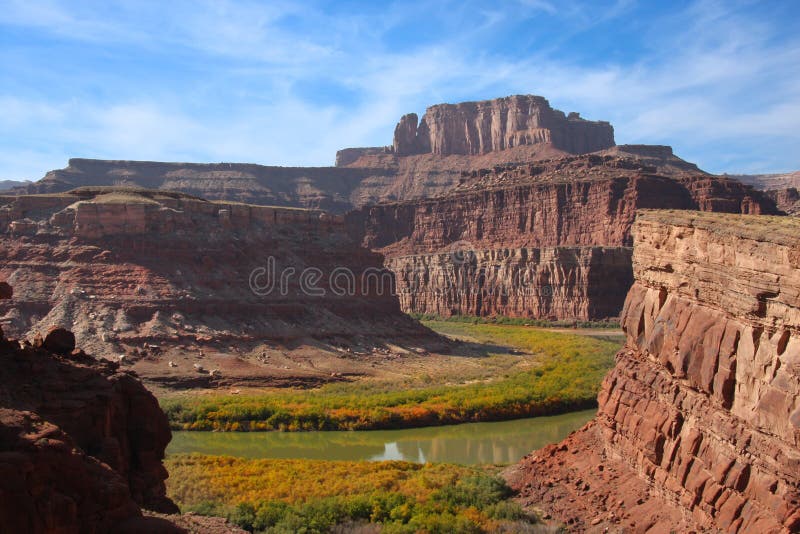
(542, 283)
(522, 222)
(699, 422)
(133, 272)
(767, 182)
(787, 200)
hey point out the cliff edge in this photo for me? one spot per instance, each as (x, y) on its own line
(698, 424)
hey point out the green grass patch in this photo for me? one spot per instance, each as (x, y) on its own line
(564, 374)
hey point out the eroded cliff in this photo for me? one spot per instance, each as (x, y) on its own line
(493, 125)
(699, 422)
(519, 226)
(139, 273)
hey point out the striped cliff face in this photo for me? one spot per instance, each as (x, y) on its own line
(522, 227)
(699, 422)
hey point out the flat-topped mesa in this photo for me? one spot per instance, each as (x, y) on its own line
(96, 212)
(327, 188)
(698, 426)
(472, 128)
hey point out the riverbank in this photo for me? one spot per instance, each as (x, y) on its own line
(520, 372)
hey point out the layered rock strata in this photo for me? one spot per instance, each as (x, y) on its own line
(699, 422)
(543, 283)
(471, 128)
(767, 182)
(132, 272)
(787, 200)
(534, 211)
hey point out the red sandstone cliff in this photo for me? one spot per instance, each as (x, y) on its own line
(766, 182)
(513, 223)
(787, 199)
(493, 125)
(699, 422)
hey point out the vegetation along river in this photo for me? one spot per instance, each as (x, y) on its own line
(472, 443)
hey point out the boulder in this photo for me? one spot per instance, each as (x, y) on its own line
(59, 340)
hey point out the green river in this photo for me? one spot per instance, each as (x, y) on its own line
(472, 443)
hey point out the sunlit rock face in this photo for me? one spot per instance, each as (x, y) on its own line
(699, 422)
(471, 128)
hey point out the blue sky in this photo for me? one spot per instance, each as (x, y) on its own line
(290, 83)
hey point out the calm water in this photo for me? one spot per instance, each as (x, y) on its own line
(473, 443)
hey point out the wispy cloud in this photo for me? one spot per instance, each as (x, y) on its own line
(282, 83)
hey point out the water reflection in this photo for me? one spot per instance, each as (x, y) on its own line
(472, 443)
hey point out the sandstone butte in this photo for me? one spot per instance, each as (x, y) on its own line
(138, 275)
(698, 426)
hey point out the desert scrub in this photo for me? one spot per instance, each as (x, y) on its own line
(314, 496)
(567, 373)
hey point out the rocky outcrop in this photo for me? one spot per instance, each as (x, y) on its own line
(471, 128)
(50, 485)
(543, 283)
(81, 442)
(527, 214)
(136, 273)
(699, 422)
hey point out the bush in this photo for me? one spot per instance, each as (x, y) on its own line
(476, 491)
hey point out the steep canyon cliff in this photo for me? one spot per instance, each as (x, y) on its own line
(533, 240)
(699, 422)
